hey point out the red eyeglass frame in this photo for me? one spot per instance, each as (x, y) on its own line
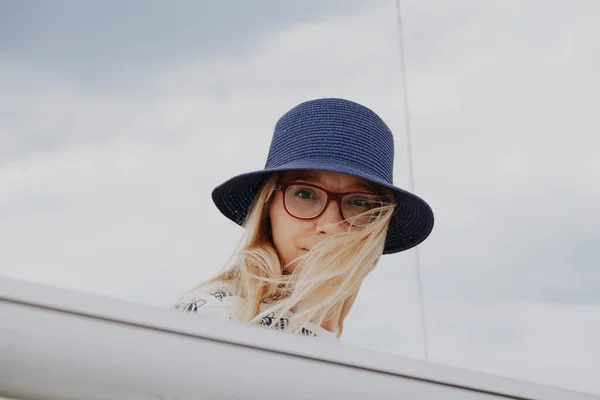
(331, 196)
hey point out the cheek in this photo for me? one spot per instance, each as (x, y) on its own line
(284, 229)
(278, 216)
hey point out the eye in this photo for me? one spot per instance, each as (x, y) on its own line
(306, 194)
(361, 202)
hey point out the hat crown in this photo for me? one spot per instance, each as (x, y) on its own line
(334, 129)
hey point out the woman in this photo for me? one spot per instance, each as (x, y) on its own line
(318, 217)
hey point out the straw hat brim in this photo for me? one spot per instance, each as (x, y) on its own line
(410, 225)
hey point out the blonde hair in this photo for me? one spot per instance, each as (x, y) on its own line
(329, 274)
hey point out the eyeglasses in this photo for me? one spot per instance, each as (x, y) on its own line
(307, 201)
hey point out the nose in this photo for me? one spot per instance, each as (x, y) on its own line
(330, 220)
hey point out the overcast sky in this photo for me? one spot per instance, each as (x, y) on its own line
(118, 119)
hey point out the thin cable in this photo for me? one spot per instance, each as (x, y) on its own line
(410, 170)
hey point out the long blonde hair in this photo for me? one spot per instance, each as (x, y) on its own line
(329, 274)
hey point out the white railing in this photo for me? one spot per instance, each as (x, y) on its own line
(60, 344)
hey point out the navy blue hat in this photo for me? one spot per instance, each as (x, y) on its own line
(339, 136)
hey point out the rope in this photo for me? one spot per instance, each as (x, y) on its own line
(410, 170)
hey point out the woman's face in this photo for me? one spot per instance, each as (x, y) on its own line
(293, 237)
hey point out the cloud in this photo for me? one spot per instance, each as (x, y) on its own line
(105, 44)
(108, 189)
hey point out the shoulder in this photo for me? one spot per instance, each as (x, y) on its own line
(212, 298)
(311, 329)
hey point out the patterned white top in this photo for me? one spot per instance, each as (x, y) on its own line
(218, 300)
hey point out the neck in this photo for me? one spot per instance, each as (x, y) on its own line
(332, 319)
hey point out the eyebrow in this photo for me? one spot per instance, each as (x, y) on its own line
(366, 186)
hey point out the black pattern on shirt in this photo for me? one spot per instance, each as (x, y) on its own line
(269, 321)
(191, 306)
(221, 294)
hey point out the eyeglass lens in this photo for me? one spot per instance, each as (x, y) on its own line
(308, 202)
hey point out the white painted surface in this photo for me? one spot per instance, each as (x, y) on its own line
(58, 344)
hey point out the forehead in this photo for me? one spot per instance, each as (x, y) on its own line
(331, 179)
